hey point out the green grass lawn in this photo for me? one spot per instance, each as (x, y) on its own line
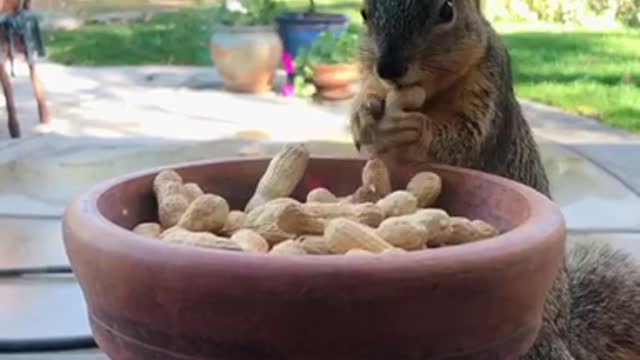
(584, 72)
(590, 73)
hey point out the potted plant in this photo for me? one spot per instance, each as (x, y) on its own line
(298, 30)
(245, 47)
(330, 64)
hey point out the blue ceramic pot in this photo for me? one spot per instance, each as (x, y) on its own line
(299, 30)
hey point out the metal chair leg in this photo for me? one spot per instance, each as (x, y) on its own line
(43, 109)
(14, 127)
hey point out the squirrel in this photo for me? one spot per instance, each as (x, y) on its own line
(437, 87)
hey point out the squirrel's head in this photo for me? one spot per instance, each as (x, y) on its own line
(407, 42)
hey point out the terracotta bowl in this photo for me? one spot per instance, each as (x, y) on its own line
(151, 300)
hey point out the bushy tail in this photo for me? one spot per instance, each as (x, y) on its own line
(605, 302)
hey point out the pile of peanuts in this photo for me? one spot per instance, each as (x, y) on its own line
(373, 220)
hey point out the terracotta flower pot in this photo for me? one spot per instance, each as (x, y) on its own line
(334, 81)
(247, 57)
(152, 300)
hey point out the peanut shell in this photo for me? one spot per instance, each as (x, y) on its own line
(316, 245)
(251, 241)
(283, 174)
(426, 187)
(398, 203)
(149, 229)
(321, 195)
(207, 213)
(289, 247)
(344, 235)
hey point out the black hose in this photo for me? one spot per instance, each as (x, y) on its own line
(43, 270)
(46, 344)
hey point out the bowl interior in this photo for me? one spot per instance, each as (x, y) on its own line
(470, 194)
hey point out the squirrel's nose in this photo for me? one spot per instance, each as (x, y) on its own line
(391, 69)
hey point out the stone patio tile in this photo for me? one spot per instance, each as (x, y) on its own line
(42, 307)
(31, 242)
(566, 128)
(627, 242)
(590, 198)
(622, 160)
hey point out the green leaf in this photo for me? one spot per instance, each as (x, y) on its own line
(331, 48)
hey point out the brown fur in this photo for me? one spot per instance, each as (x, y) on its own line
(471, 118)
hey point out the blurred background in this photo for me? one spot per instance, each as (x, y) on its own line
(99, 89)
(582, 56)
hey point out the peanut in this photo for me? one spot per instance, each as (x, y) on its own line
(166, 176)
(376, 182)
(376, 174)
(365, 194)
(207, 213)
(426, 187)
(344, 235)
(171, 209)
(149, 229)
(316, 245)
(179, 235)
(289, 247)
(358, 252)
(432, 219)
(321, 195)
(349, 199)
(367, 214)
(172, 202)
(405, 232)
(293, 219)
(251, 241)
(235, 221)
(484, 229)
(394, 251)
(283, 174)
(436, 224)
(398, 203)
(264, 220)
(460, 230)
(192, 191)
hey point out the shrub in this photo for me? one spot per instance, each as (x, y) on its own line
(626, 12)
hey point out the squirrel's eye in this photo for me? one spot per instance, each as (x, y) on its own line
(363, 13)
(447, 11)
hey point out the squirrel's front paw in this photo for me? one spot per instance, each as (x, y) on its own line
(399, 130)
(364, 120)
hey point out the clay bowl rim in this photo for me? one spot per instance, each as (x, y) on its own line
(544, 222)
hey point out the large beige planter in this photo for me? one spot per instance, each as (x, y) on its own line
(247, 57)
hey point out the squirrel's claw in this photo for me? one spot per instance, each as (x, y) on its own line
(364, 121)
